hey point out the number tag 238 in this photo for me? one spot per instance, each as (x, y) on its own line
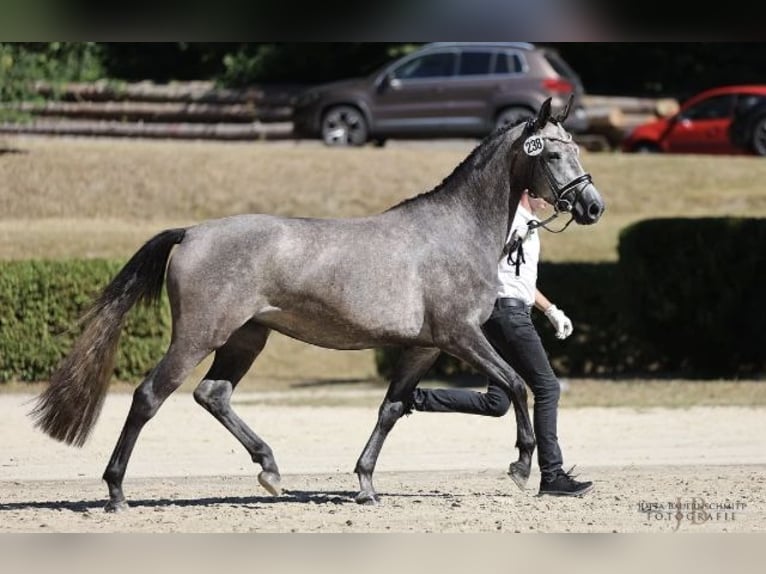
(533, 145)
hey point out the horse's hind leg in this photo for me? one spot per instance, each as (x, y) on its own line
(412, 365)
(231, 362)
(165, 378)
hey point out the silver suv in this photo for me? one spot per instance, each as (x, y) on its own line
(455, 89)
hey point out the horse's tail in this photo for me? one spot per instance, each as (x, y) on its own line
(69, 407)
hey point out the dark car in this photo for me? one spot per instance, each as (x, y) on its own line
(723, 120)
(748, 128)
(441, 90)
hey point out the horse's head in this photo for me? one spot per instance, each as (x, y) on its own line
(549, 167)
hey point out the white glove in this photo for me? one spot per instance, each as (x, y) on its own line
(560, 322)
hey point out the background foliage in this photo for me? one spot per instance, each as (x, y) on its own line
(619, 68)
(42, 302)
(694, 297)
(22, 64)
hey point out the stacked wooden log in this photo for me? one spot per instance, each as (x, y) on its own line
(188, 110)
(612, 117)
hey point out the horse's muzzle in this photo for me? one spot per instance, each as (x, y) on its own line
(589, 206)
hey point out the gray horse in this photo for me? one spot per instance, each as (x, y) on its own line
(421, 276)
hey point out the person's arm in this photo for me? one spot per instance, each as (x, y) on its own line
(556, 316)
(541, 301)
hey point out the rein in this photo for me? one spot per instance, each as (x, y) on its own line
(545, 222)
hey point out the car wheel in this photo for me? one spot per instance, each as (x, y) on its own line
(344, 126)
(759, 136)
(512, 116)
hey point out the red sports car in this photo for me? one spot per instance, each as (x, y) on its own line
(725, 120)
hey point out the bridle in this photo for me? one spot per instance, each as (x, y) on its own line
(566, 196)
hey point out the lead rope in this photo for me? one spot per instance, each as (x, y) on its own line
(516, 244)
(544, 224)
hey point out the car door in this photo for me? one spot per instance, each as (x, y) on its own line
(703, 127)
(411, 98)
(469, 95)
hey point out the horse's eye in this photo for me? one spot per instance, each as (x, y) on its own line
(554, 155)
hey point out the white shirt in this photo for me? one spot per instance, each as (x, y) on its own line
(524, 285)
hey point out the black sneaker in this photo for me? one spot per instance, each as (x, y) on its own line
(564, 484)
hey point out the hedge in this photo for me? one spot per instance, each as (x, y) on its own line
(694, 293)
(40, 304)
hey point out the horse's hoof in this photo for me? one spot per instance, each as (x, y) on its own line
(271, 482)
(367, 498)
(116, 506)
(519, 474)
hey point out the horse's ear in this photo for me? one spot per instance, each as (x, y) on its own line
(543, 115)
(564, 114)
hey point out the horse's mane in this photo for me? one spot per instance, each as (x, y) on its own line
(477, 159)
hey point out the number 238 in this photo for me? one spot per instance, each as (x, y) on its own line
(533, 145)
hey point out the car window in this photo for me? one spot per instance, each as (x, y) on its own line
(748, 101)
(428, 66)
(507, 63)
(714, 108)
(474, 63)
(559, 65)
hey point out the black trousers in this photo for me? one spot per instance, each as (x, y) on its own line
(512, 333)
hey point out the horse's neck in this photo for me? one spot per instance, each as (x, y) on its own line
(473, 205)
(486, 199)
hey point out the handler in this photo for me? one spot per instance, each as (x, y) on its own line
(512, 333)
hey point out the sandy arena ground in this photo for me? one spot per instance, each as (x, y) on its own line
(437, 472)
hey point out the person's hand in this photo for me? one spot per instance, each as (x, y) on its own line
(560, 322)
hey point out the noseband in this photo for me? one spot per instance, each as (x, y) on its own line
(566, 196)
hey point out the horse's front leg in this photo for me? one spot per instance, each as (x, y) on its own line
(413, 363)
(474, 348)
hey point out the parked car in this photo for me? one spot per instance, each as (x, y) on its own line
(748, 129)
(723, 120)
(454, 89)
